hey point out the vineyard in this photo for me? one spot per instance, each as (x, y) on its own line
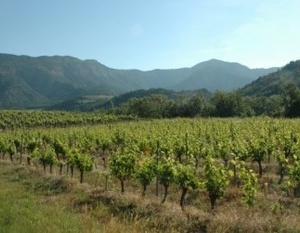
(208, 170)
(18, 119)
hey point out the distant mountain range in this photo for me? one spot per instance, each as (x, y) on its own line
(27, 82)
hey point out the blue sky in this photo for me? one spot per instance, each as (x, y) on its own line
(139, 34)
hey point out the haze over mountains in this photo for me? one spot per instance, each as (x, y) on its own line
(42, 81)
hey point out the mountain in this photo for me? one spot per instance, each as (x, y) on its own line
(219, 75)
(272, 84)
(27, 82)
(30, 82)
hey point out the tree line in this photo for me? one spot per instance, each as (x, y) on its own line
(220, 104)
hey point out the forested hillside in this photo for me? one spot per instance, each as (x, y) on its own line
(34, 82)
(47, 80)
(273, 83)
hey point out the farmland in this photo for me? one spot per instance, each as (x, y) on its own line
(171, 175)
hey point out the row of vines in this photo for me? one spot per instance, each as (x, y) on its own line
(16, 119)
(208, 154)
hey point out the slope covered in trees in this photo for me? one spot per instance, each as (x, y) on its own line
(46, 80)
(273, 84)
(276, 95)
(30, 82)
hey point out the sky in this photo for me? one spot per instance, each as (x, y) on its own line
(156, 34)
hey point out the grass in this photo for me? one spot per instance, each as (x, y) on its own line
(22, 211)
(32, 201)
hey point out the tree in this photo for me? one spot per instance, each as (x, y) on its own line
(291, 95)
(187, 106)
(269, 106)
(230, 104)
(153, 106)
(196, 105)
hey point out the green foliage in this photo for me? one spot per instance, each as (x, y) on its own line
(153, 106)
(145, 149)
(216, 179)
(119, 100)
(11, 148)
(167, 171)
(122, 165)
(186, 177)
(71, 157)
(3, 146)
(103, 144)
(146, 172)
(166, 174)
(291, 95)
(272, 106)
(48, 156)
(249, 182)
(59, 148)
(294, 172)
(222, 148)
(257, 149)
(191, 105)
(273, 83)
(230, 104)
(84, 162)
(13, 119)
(32, 144)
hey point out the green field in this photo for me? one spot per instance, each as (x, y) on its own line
(34, 203)
(180, 175)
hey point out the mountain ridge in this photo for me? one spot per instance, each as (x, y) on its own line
(45, 80)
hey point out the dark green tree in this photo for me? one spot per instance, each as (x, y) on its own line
(291, 96)
(272, 106)
(153, 106)
(230, 104)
